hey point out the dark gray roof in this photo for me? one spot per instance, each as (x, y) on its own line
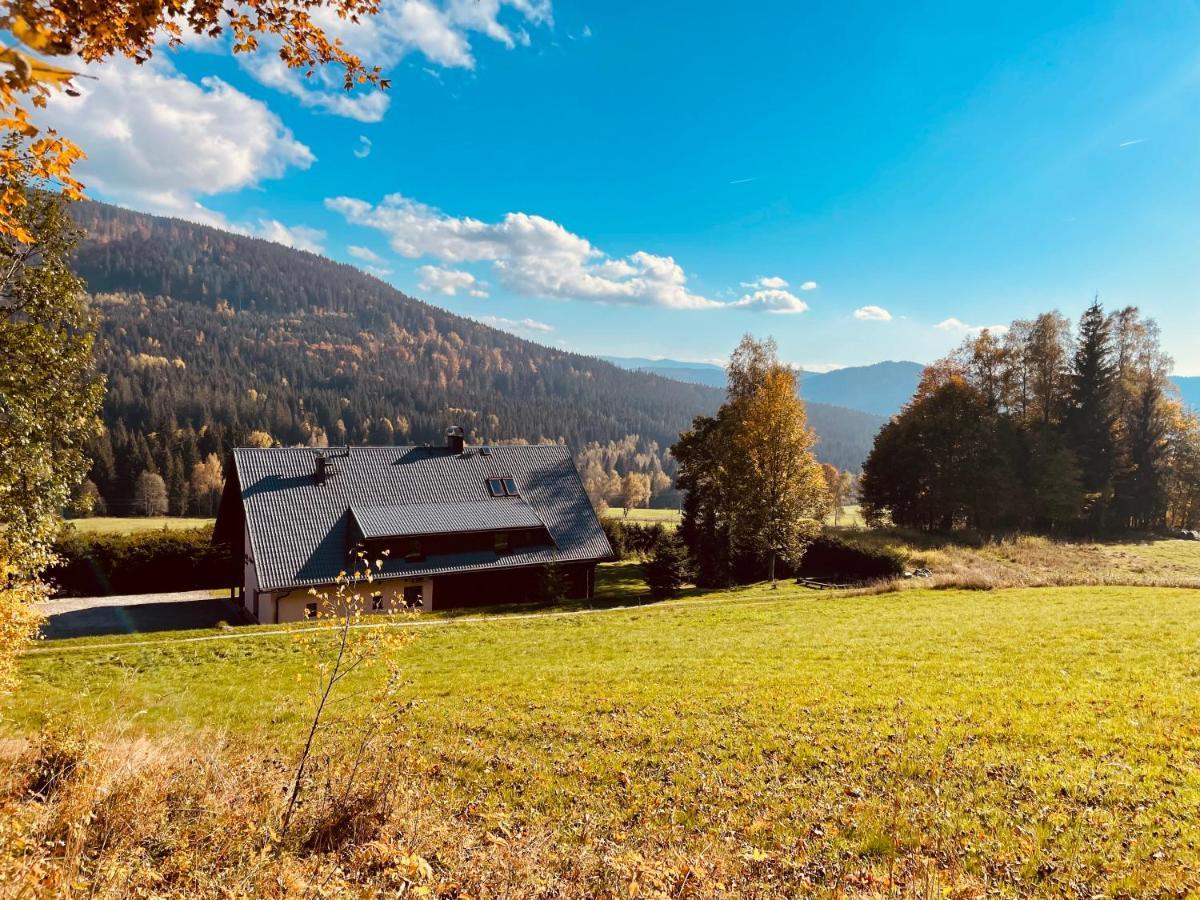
(450, 517)
(299, 530)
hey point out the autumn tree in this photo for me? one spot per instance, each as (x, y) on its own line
(95, 30)
(753, 483)
(208, 479)
(635, 490)
(49, 401)
(938, 465)
(151, 495)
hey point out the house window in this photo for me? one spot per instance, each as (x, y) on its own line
(502, 544)
(414, 596)
(310, 610)
(502, 487)
(377, 601)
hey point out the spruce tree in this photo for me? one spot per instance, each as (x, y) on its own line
(1093, 377)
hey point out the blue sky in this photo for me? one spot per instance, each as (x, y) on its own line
(862, 181)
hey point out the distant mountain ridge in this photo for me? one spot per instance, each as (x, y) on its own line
(879, 389)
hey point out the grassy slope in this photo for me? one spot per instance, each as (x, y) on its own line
(1043, 737)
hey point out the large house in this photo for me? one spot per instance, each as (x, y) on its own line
(461, 526)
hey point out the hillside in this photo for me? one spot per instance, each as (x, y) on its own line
(209, 336)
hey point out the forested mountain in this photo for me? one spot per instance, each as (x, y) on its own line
(211, 339)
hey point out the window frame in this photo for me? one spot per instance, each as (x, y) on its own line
(513, 491)
(495, 487)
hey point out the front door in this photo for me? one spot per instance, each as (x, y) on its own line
(414, 595)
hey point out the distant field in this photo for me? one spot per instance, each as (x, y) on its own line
(115, 525)
(1037, 742)
(663, 516)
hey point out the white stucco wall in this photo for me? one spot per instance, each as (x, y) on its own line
(293, 604)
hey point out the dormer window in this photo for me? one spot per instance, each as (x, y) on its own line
(502, 487)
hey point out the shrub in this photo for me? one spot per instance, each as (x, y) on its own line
(143, 562)
(836, 558)
(667, 569)
(632, 539)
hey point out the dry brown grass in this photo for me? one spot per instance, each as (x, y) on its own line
(1035, 561)
(137, 817)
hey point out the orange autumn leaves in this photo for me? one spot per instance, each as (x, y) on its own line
(95, 30)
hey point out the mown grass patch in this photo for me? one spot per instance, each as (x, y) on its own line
(1039, 741)
(129, 525)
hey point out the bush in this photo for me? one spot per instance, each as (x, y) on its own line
(143, 562)
(667, 569)
(838, 559)
(632, 539)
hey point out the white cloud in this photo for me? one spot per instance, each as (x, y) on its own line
(364, 147)
(954, 325)
(587, 31)
(158, 141)
(821, 368)
(364, 104)
(776, 301)
(301, 237)
(872, 314)
(519, 326)
(531, 255)
(771, 282)
(377, 271)
(366, 254)
(809, 286)
(441, 32)
(448, 282)
(1132, 143)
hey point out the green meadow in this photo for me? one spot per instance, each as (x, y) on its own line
(1027, 741)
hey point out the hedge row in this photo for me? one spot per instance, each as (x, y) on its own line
(139, 563)
(632, 539)
(829, 557)
(837, 559)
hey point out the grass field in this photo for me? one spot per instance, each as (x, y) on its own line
(851, 516)
(921, 743)
(124, 525)
(669, 517)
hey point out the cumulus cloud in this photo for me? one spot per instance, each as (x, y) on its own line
(448, 282)
(873, 314)
(530, 254)
(519, 326)
(772, 300)
(770, 282)
(301, 237)
(957, 326)
(440, 32)
(159, 142)
(364, 104)
(809, 286)
(366, 254)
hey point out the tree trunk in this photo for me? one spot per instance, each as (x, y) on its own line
(774, 586)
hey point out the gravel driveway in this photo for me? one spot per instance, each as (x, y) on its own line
(90, 616)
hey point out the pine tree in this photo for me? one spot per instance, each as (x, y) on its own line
(1090, 421)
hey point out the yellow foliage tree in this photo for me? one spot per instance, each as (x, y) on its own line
(95, 30)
